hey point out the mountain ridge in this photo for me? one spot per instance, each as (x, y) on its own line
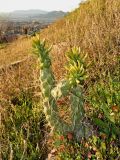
(29, 11)
(33, 14)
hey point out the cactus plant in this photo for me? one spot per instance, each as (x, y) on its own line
(71, 85)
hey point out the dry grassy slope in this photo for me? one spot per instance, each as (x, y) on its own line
(18, 69)
(94, 26)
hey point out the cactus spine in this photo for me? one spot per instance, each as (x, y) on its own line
(71, 85)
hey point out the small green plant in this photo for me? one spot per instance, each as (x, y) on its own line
(71, 86)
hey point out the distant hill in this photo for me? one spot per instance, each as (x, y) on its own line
(28, 12)
(35, 14)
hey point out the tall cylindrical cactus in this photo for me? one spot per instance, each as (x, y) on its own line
(71, 86)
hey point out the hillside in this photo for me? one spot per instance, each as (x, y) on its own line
(82, 92)
(95, 27)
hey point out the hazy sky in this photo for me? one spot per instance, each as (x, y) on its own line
(48, 5)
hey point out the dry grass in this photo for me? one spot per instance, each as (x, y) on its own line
(15, 51)
(17, 68)
(19, 77)
(95, 27)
